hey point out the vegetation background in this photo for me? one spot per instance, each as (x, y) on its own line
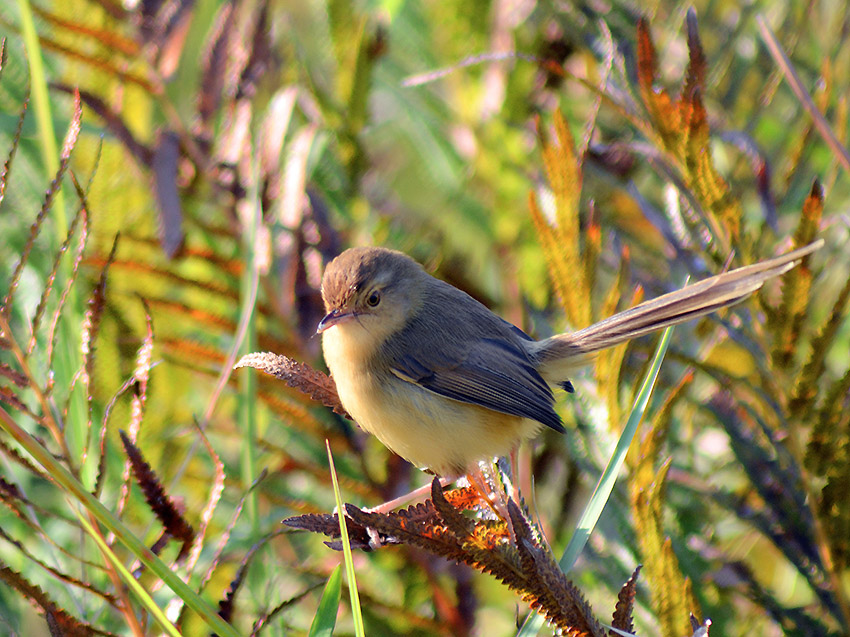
(236, 147)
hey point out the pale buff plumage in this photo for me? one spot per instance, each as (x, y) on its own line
(443, 382)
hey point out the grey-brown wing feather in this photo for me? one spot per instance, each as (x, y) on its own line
(477, 358)
(493, 374)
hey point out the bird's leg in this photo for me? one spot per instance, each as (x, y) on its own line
(479, 479)
(407, 498)
(513, 459)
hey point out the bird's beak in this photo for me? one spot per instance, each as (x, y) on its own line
(332, 318)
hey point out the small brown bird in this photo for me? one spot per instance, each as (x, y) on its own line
(445, 383)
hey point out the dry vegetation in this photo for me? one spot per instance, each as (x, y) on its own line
(176, 175)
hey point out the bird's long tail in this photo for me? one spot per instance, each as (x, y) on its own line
(561, 354)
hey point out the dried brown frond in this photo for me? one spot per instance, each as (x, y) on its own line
(59, 620)
(170, 278)
(622, 619)
(317, 385)
(111, 39)
(113, 123)
(112, 600)
(158, 500)
(19, 379)
(270, 614)
(440, 526)
(680, 127)
(108, 65)
(226, 604)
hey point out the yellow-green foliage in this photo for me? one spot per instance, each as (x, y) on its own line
(233, 142)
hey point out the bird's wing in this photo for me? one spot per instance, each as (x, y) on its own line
(493, 373)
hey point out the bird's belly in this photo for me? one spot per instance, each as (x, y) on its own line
(431, 431)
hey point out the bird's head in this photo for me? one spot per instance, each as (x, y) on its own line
(371, 293)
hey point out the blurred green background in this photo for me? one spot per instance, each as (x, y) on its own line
(238, 146)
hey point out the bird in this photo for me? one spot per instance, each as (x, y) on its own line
(445, 383)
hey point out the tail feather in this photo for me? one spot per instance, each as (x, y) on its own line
(560, 354)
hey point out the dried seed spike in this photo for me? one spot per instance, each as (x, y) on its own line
(213, 59)
(63, 298)
(80, 217)
(158, 500)
(35, 228)
(10, 398)
(216, 489)
(164, 162)
(647, 59)
(59, 620)
(114, 124)
(697, 64)
(16, 139)
(622, 619)
(226, 604)
(141, 373)
(328, 525)
(12, 490)
(90, 331)
(454, 520)
(318, 386)
(18, 458)
(224, 537)
(19, 379)
(91, 321)
(101, 467)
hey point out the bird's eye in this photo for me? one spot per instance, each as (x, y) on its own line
(373, 299)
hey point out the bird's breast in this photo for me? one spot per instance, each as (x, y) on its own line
(427, 429)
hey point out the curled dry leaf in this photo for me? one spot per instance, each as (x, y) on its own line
(317, 385)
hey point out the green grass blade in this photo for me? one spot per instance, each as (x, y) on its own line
(247, 405)
(606, 482)
(41, 105)
(132, 583)
(346, 550)
(70, 485)
(325, 619)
